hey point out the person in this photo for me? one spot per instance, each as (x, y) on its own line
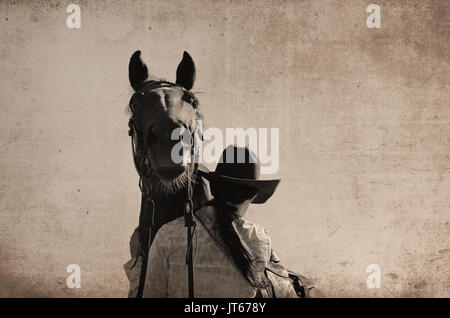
(230, 253)
(232, 257)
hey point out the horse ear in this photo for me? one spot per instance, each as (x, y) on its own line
(137, 70)
(186, 72)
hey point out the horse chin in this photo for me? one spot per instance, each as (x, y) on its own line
(168, 174)
(171, 182)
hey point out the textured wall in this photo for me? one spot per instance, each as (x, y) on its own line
(364, 124)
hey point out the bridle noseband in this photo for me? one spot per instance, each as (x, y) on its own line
(143, 167)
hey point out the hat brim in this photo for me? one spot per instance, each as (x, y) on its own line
(265, 188)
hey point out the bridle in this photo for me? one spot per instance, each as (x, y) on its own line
(148, 207)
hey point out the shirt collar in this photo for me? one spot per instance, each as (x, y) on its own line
(253, 236)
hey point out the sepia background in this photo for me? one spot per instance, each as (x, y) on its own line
(364, 125)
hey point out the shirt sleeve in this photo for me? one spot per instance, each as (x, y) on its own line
(156, 282)
(133, 266)
(133, 270)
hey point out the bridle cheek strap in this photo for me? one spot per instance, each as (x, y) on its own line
(190, 223)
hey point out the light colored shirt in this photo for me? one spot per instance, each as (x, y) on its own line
(215, 274)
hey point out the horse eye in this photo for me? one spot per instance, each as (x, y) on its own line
(195, 104)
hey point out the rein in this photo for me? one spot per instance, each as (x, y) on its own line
(148, 206)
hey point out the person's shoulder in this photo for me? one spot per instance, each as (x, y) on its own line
(170, 234)
(173, 226)
(206, 214)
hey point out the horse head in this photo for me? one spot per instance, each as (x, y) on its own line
(158, 108)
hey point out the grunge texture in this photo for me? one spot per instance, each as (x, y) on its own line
(364, 123)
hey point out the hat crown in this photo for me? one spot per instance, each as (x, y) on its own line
(238, 162)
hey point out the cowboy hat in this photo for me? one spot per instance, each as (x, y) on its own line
(238, 165)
